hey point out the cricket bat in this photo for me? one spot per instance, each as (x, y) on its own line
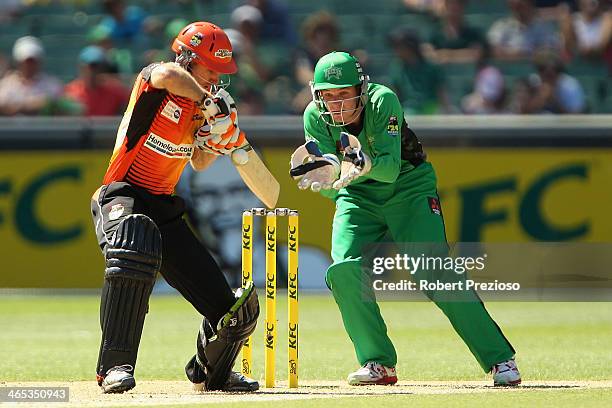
(252, 170)
(256, 175)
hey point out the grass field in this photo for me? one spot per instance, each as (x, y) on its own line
(564, 353)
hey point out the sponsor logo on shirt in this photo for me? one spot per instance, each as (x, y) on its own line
(168, 149)
(434, 205)
(393, 126)
(172, 111)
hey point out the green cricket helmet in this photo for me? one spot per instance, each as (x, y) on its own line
(338, 70)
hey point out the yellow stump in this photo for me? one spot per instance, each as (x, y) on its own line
(270, 329)
(247, 276)
(292, 294)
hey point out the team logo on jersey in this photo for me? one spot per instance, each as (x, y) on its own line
(196, 39)
(393, 126)
(223, 53)
(172, 111)
(168, 149)
(333, 72)
(116, 211)
(434, 205)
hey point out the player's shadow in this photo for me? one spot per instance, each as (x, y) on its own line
(341, 394)
(325, 389)
(546, 386)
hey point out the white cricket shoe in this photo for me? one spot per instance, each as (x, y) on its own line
(506, 374)
(118, 379)
(373, 373)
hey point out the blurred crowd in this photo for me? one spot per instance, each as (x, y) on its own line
(536, 56)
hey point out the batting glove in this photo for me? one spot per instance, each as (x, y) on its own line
(203, 140)
(224, 132)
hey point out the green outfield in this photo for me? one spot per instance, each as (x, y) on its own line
(55, 338)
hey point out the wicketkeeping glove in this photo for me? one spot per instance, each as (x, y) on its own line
(313, 169)
(358, 163)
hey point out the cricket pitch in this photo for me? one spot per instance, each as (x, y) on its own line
(151, 393)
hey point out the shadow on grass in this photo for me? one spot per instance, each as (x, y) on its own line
(402, 389)
(545, 386)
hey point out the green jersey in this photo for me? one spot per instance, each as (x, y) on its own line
(380, 136)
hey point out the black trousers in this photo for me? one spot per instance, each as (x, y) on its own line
(186, 263)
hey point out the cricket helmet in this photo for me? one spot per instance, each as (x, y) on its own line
(205, 43)
(338, 70)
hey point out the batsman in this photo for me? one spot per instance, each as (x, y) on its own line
(360, 152)
(178, 113)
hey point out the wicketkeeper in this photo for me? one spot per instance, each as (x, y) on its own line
(178, 114)
(386, 187)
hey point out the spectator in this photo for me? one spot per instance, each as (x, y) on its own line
(455, 41)
(321, 36)
(522, 34)
(489, 95)
(28, 90)
(246, 87)
(551, 90)
(554, 9)
(98, 92)
(419, 84)
(11, 10)
(522, 92)
(171, 30)
(263, 65)
(433, 7)
(276, 21)
(120, 60)
(125, 23)
(248, 21)
(587, 33)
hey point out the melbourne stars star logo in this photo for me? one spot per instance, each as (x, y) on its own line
(333, 72)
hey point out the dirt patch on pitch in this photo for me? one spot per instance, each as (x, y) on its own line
(150, 393)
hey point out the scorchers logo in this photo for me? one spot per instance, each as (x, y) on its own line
(196, 39)
(168, 149)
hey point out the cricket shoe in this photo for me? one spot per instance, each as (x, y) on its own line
(373, 373)
(235, 383)
(118, 379)
(506, 374)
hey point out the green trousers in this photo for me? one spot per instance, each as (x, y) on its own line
(368, 213)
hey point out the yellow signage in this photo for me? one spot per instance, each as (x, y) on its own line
(46, 228)
(518, 195)
(492, 195)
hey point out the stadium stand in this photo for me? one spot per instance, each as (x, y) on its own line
(64, 26)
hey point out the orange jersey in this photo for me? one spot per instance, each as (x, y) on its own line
(155, 139)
